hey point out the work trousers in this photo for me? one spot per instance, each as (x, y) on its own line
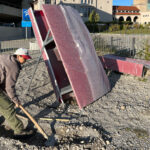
(8, 111)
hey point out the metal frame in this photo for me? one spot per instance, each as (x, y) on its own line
(45, 42)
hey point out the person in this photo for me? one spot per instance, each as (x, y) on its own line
(10, 66)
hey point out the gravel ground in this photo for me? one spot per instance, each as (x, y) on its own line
(117, 121)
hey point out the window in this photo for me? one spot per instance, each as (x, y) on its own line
(88, 1)
(89, 11)
(85, 1)
(91, 1)
(148, 6)
(81, 1)
(47, 1)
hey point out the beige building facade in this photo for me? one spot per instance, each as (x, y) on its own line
(144, 18)
(144, 6)
(84, 7)
(141, 4)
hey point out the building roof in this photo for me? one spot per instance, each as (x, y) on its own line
(125, 10)
(129, 8)
(119, 13)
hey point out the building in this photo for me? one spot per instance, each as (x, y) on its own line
(11, 11)
(126, 13)
(11, 17)
(145, 18)
(144, 6)
(84, 7)
(141, 4)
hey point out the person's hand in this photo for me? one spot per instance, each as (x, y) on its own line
(17, 103)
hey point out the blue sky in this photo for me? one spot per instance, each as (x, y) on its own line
(123, 2)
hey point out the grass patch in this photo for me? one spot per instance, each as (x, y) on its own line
(131, 31)
(142, 79)
(140, 133)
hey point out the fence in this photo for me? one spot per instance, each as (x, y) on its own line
(135, 46)
(14, 44)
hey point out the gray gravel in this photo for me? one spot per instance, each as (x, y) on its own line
(119, 120)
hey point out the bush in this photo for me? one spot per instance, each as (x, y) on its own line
(92, 27)
(126, 27)
(145, 52)
(136, 26)
(114, 27)
(147, 26)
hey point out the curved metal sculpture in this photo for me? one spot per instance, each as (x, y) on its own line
(71, 58)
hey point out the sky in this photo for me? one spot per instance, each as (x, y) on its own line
(123, 2)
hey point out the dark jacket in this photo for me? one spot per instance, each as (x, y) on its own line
(9, 71)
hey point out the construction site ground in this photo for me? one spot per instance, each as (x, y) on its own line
(119, 120)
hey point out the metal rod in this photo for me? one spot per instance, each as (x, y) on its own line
(46, 41)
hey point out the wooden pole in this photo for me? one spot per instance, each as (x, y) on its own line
(35, 123)
(65, 120)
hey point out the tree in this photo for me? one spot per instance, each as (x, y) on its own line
(94, 17)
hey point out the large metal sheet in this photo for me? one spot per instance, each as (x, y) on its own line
(75, 47)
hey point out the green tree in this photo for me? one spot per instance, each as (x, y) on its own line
(94, 17)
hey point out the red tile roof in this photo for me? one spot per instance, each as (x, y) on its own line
(119, 13)
(129, 8)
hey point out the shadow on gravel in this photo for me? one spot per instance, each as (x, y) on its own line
(38, 99)
(76, 120)
(113, 77)
(37, 139)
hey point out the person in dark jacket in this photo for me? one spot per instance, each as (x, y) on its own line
(10, 66)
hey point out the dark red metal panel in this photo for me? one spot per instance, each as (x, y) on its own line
(75, 47)
(124, 65)
(49, 52)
